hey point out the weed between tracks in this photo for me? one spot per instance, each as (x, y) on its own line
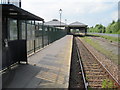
(107, 84)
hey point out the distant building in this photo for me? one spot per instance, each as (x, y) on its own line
(56, 23)
(77, 27)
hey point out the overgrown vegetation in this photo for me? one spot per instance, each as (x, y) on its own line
(107, 84)
(113, 28)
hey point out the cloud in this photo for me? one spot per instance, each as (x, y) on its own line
(100, 7)
(114, 15)
(73, 10)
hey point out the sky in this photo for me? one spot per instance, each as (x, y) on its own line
(90, 12)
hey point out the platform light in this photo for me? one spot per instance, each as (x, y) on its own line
(60, 12)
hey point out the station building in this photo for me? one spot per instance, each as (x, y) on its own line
(56, 23)
(75, 28)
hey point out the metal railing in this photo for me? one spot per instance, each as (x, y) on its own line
(44, 35)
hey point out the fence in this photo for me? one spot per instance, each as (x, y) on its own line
(42, 36)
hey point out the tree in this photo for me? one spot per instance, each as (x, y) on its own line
(113, 27)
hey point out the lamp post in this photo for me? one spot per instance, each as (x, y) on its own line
(65, 24)
(19, 3)
(60, 11)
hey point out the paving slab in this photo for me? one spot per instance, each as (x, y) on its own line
(48, 68)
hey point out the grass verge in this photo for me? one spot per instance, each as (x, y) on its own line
(100, 48)
(116, 39)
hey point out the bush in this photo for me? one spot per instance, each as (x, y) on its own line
(113, 27)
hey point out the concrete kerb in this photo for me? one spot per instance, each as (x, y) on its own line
(70, 54)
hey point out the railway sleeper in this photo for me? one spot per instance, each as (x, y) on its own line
(93, 77)
(90, 62)
(95, 86)
(94, 74)
(97, 75)
(95, 80)
(93, 70)
(87, 65)
(91, 65)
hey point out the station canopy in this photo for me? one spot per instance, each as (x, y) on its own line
(12, 11)
(55, 23)
(77, 24)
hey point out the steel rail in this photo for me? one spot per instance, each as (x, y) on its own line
(109, 73)
(82, 70)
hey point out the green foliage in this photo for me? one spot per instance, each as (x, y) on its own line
(99, 28)
(113, 28)
(107, 84)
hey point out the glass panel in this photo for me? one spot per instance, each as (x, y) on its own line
(13, 30)
(30, 37)
(23, 31)
(33, 31)
(40, 41)
(29, 31)
(28, 46)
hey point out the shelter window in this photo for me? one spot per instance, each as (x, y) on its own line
(29, 31)
(13, 30)
(23, 30)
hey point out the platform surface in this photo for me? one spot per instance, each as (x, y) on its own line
(49, 68)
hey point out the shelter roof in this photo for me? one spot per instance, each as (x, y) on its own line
(77, 24)
(15, 12)
(56, 23)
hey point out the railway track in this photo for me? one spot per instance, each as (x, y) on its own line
(77, 77)
(92, 70)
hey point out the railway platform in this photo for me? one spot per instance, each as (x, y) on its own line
(48, 68)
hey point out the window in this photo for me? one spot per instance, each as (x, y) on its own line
(29, 32)
(13, 30)
(23, 31)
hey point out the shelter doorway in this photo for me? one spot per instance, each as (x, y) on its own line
(14, 43)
